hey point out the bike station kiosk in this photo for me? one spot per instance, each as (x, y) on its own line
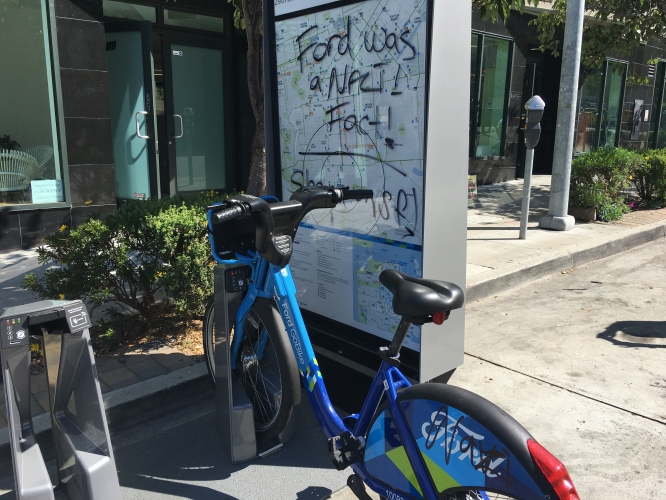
(371, 95)
(367, 95)
(85, 463)
(234, 408)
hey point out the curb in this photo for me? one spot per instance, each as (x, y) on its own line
(501, 279)
(129, 394)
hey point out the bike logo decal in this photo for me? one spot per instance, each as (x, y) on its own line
(291, 330)
(459, 451)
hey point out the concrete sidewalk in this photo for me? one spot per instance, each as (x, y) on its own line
(498, 260)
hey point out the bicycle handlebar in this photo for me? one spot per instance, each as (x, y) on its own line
(356, 194)
(276, 223)
(228, 214)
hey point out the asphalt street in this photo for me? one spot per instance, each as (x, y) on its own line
(578, 358)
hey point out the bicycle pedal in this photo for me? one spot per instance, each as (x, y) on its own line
(344, 450)
(357, 487)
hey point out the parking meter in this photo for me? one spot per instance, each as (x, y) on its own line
(534, 109)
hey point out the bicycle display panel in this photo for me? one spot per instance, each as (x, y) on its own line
(351, 92)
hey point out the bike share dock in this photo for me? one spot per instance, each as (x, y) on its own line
(85, 462)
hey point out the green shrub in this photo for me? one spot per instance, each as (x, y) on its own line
(599, 180)
(143, 249)
(613, 211)
(650, 178)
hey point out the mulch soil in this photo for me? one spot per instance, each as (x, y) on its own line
(131, 334)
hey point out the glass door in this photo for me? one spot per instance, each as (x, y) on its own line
(131, 97)
(198, 132)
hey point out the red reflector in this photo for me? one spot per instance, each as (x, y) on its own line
(554, 470)
(439, 318)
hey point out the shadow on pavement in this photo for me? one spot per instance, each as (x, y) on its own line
(651, 334)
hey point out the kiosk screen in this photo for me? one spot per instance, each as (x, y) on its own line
(352, 87)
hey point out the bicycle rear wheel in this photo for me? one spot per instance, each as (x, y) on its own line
(265, 368)
(478, 495)
(471, 449)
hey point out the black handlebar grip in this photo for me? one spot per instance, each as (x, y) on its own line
(357, 194)
(227, 214)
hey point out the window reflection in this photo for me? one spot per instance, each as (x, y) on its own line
(492, 100)
(590, 94)
(658, 123)
(472, 80)
(29, 159)
(600, 107)
(611, 110)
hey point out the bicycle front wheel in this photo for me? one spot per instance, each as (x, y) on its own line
(265, 368)
(208, 339)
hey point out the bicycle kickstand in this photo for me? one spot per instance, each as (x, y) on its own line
(358, 488)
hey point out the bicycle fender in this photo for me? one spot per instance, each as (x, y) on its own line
(473, 440)
(268, 306)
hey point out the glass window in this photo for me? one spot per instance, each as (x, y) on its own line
(611, 109)
(588, 110)
(30, 170)
(473, 70)
(194, 21)
(658, 122)
(492, 100)
(600, 107)
(129, 11)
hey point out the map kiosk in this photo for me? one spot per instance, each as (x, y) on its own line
(368, 95)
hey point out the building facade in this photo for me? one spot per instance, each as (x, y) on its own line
(106, 100)
(619, 104)
(103, 101)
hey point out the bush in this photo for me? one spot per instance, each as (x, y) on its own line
(599, 180)
(143, 249)
(650, 178)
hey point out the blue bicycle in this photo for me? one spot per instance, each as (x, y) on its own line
(427, 441)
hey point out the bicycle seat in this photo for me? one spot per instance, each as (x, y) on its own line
(417, 299)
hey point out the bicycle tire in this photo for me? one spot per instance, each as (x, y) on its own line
(473, 495)
(487, 430)
(270, 381)
(207, 338)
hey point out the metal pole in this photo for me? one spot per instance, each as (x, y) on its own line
(558, 217)
(527, 188)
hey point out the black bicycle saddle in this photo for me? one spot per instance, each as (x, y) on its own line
(417, 299)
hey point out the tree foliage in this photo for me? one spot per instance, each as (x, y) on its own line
(500, 9)
(618, 26)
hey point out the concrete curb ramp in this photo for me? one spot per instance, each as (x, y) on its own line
(501, 279)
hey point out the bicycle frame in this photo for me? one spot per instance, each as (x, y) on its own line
(270, 281)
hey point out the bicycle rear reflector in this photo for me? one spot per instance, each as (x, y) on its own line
(554, 470)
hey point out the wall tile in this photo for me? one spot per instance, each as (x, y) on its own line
(40, 223)
(81, 44)
(83, 213)
(89, 141)
(477, 22)
(92, 183)
(85, 93)
(87, 10)
(10, 232)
